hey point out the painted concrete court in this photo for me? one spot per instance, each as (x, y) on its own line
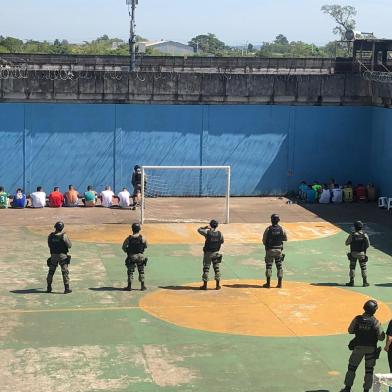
(174, 337)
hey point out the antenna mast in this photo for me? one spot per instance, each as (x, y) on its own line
(132, 34)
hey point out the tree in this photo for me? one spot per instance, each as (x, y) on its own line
(335, 49)
(207, 43)
(103, 38)
(343, 16)
(281, 40)
(250, 48)
(13, 45)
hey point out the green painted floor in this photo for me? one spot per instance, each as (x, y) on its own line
(97, 339)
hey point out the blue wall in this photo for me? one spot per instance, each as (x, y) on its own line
(270, 148)
(381, 150)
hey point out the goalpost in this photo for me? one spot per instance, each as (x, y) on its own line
(185, 193)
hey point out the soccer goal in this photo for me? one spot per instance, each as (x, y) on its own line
(382, 383)
(185, 193)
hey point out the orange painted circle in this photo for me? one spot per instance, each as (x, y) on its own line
(243, 307)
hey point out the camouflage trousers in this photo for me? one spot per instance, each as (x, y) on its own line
(135, 261)
(355, 359)
(207, 261)
(56, 260)
(271, 256)
(362, 260)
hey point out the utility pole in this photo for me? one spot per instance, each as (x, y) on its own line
(132, 34)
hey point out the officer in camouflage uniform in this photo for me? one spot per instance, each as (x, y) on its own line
(59, 244)
(134, 247)
(273, 238)
(368, 332)
(137, 185)
(359, 242)
(212, 245)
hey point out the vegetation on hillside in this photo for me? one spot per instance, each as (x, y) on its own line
(204, 44)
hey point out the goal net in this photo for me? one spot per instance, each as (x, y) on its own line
(382, 383)
(185, 193)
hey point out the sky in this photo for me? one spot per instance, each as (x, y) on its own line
(234, 22)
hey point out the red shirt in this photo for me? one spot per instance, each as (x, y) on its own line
(56, 199)
(360, 192)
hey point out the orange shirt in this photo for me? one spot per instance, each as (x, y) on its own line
(71, 196)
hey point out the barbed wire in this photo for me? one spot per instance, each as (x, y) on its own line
(59, 74)
(377, 76)
(155, 73)
(22, 69)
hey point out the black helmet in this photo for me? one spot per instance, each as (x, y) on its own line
(370, 306)
(275, 219)
(214, 224)
(59, 226)
(358, 225)
(136, 227)
(137, 167)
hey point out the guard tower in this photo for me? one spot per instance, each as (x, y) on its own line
(373, 54)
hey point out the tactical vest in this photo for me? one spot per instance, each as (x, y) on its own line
(358, 242)
(274, 237)
(57, 244)
(135, 245)
(138, 177)
(213, 241)
(365, 331)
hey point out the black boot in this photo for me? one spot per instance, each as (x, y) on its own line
(350, 283)
(279, 286)
(365, 282)
(143, 287)
(218, 286)
(204, 287)
(267, 285)
(67, 290)
(128, 288)
(346, 389)
(49, 288)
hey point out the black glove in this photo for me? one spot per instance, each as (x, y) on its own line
(48, 261)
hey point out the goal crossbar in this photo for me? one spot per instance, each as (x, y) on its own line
(227, 169)
(186, 167)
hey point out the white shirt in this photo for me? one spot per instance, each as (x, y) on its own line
(325, 196)
(38, 199)
(107, 198)
(337, 195)
(124, 199)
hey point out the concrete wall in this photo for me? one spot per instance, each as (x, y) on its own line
(270, 148)
(191, 88)
(381, 150)
(43, 61)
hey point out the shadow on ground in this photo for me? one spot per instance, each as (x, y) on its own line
(29, 291)
(106, 288)
(319, 390)
(179, 288)
(345, 214)
(328, 284)
(243, 286)
(384, 284)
